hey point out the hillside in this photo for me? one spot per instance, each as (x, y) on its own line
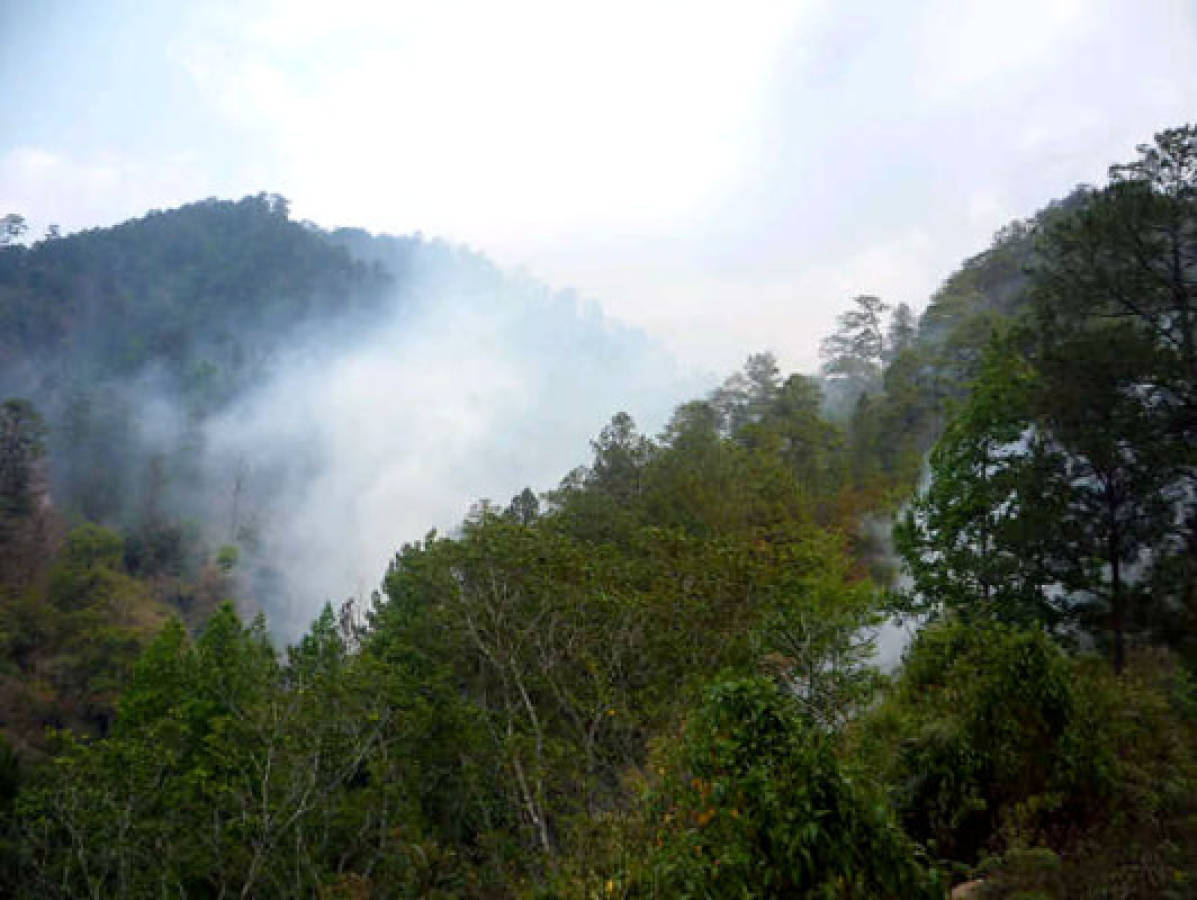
(197, 370)
(656, 679)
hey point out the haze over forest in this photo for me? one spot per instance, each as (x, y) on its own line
(722, 181)
(649, 451)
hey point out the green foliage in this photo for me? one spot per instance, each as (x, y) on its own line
(227, 557)
(178, 283)
(88, 569)
(620, 455)
(1123, 494)
(576, 635)
(751, 800)
(22, 445)
(978, 540)
(1058, 493)
(902, 333)
(1123, 256)
(1127, 811)
(1117, 327)
(995, 742)
(228, 772)
(991, 706)
(195, 301)
(856, 349)
(70, 639)
(530, 707)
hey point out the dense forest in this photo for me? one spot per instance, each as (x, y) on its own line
(219, 377)
(658, 678)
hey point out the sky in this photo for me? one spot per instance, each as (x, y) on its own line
(723, 176)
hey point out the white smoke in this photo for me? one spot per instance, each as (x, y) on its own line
(365, 439)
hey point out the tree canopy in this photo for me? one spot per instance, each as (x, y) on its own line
(658, 678)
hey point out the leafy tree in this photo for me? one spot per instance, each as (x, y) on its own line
(902, 332)
(1128, 253)
(1115, 291)
(1007, 694)
(857, 360)
(620, 455)
(1048, 492)
(980, 539)
(12, 226)
(855, 350)
(572, 643)
(998, 748)
(524, 507)
(854, 353)
(745, 397)
(751, 801)
(1117, 462)
(542, 642)
(817, 637)
(791, 427)
(229, 773)
(22, 446)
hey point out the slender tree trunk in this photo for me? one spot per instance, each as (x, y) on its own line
(1117, 614)
(1180, 299)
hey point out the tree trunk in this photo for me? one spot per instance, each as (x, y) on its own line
(1117, 615)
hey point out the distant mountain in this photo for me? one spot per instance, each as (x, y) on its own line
(201, 294)
(254, 380)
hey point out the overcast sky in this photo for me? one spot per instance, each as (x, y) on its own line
(724, 175)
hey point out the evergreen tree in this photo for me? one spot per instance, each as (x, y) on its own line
(22, 446)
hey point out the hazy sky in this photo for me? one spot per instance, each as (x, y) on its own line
(723, 175)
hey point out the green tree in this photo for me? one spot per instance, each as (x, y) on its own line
(1128, 254)
(998, 746)
(981, 538)
(12, 226)
(816, 634)
(855, 349)
(902, 332)
(229, 773)
(807, 442)
(1049, 491)
(752, 801)
(524, 507)
(854, 356)
(1116, 315)
(22, 447)
(620, 454)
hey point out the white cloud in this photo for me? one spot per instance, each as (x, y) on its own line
(965, 48)
(53, 187)
(473, 118)
(478, 392)
(712, 173)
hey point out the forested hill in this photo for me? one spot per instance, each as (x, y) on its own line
(199, 373)
(891, 377)
(185, 310)
(194, 306)
(656, 679)
(203, 294)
